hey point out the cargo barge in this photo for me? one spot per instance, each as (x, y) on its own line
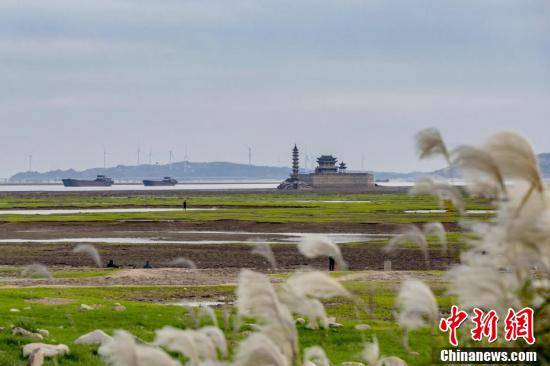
(100, 181)
(166, 181)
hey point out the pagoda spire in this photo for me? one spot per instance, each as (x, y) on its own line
(295, 162)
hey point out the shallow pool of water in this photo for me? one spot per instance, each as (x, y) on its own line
(469, 212)
(333, 201)
(137, 187)
(198, 303)
(207, 237)
(96, 210)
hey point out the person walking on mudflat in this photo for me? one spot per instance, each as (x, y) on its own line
(184, 204)
(331, 264)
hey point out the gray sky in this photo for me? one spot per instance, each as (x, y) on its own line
(346, 77)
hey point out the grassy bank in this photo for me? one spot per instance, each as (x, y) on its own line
(65, 322)
(278, 208)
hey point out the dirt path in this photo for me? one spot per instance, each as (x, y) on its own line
(193, 277)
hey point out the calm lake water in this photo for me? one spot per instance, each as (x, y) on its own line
(135, 187)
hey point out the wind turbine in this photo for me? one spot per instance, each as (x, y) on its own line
(249, 155)
(104, 158)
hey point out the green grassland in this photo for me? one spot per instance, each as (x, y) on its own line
(146, 306)
(65, 322)
(267, 207)
(63, 272)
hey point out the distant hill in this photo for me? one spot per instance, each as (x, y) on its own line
(218, 171)
(182, 171)
(544, 163)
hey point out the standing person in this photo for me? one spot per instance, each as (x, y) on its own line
(331, 263)
(184, 204)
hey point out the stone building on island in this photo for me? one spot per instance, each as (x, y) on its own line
(326, 175)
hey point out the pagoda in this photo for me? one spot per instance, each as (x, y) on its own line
(327, 165)
(295, 162)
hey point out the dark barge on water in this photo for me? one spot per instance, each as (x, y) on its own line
(166, 181)
(100, 181)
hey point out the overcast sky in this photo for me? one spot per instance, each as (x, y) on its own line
(348, 77)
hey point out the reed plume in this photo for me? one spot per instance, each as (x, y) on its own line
(206, 311)
(430, 143)
(259, 349)
(371, 354)
(123, 350)
(264, 250)
(36, 270)
(315, 356)
(409, 234)
(196, 345)
(478, 162)
(441, 190)
(317, 284)
(301, 294)
(90, 250)
(313, 246)
(437, 229)
(183, 262)
(257, 298)
(417, 307)
(515, 158)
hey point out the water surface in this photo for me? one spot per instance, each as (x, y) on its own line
(96, 210)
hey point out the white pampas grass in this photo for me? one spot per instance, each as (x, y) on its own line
(409, 234)
(417, 305)
(206, 311)
(477, 161)
(264, 250)
(98, 336)
(123, 350)
(256, 298)
(310, 308)
(437, 229)
(441, 190)
(313, 246)
(429, 143)
(36, 270)
(371, 354)
(317, 284)
(217, 338)
(183, 262)
(515, 158)
(316, 355)
(259, 349)
(301, 292)
(198, 313)
(90, 250)
(196, 345)
(417, 308)
(483, 286)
